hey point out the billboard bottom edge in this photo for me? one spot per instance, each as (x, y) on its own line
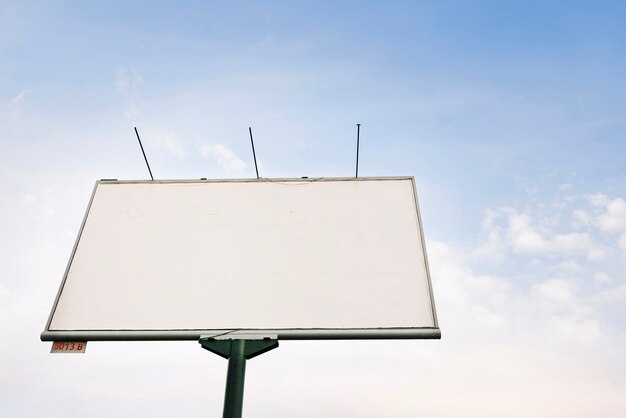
(283, 334)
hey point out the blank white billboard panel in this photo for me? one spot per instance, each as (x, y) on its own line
(326, 258)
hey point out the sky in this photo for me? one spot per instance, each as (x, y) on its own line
(510, 116)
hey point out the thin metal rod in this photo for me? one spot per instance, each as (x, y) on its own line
(253, 153)
(144, 153)
(358, 132)
(233, 399)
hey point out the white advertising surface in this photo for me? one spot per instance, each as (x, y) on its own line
(298, 258)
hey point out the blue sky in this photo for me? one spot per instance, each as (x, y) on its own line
(510, 116)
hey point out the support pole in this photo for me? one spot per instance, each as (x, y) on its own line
(237, 351)
(233, 398)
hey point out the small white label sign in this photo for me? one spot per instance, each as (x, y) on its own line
(69, 347)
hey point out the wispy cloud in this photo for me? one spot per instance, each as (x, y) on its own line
(614, 218)
(526, 238)
(518, 231)
(15, 105)
(225, 158)
(561, 274)
(127, 82)
(169, 141)
(19, 99)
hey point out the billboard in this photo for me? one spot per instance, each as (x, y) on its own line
(295, 258)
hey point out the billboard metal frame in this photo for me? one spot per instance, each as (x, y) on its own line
(282, 334)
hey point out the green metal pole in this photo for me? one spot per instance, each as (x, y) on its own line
(233, 399)
(237, 351)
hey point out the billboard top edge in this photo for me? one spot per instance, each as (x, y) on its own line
(254, 180)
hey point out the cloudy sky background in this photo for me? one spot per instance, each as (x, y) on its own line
(510, 117)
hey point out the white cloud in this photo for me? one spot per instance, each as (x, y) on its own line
(585, 332)
(580, 218)
(569, 267)
(172, 144)
(532, 190)
(601, 277)
(15, 105)
(541, 232)
(4, 296)
(557, 291)
(556, 271)
(488, 319)
(597, 255)
(571, 243)
(525, 238)
(128, 81)
(522, 236)
(491, 250)
(19, 99)
(598, 199)
(614, 219)
(622, 242)
(225, 158)
(551, 315)
(616, 294)
(165, 140)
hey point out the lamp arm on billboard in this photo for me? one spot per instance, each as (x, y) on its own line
(144, 153)
(253, 153)
(358, 132)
